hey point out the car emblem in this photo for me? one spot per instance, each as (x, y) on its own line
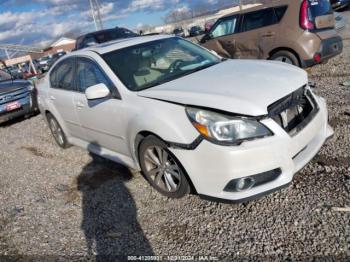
(7, 98)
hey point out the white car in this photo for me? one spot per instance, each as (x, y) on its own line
(189, 120)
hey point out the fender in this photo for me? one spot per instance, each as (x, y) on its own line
(178, 130)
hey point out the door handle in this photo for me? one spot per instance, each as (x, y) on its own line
(52, 98)
(269, 34)
(79, 104)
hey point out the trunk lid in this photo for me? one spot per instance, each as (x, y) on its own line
(321, 14)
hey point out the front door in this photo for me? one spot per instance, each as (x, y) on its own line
(221, 38)
(104, 120)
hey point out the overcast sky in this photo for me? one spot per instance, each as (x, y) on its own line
(39, 22)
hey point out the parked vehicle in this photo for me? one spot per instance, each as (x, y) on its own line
(340, 21)
(185, 117)
(103, 36)
(15, 72)
(17, 97)
(339, 4)
(296, 32)
(179, 32)
(43, 63)
(54, 58)
(196, 30)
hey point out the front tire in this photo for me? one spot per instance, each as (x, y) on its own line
(57, 132)
(161, 168)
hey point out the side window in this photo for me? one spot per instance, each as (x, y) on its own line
(89, 74)
(225, 27)
(258, 19)
(280, 11)
(62, 76)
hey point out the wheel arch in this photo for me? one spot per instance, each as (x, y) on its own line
(137, 142)
(59, 120)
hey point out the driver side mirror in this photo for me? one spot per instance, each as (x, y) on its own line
(97, 92)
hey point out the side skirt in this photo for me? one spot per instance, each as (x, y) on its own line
(106, 153)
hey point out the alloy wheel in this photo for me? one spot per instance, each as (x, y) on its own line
(284, 59)
(162, 169)
(57, 131)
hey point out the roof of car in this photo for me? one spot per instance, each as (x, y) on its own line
(121, 43)
(102, 31)
(259, 7)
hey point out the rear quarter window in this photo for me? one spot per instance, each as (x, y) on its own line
(258, 19)
(280, 11)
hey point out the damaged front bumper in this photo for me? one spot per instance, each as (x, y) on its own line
(212, 167)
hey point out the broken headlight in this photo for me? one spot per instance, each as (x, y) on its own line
(224, 129)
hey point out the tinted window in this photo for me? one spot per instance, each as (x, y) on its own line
(88, 41)
(258, 19)
(320, 7)
(280, 11)
(89, 74)
(62, 75)
(225, 27)
(114, 34)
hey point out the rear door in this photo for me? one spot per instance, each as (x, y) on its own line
(104, 120)
(60, 97)
(258, 34)
(222, 36)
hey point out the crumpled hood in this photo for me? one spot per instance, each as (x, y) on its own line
(245, 87)
(11, 86)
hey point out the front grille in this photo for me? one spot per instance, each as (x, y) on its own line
(294, 111)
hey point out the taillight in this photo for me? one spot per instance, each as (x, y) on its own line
(305, 22)
(317, 57)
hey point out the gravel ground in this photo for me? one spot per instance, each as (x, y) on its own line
(69, 205)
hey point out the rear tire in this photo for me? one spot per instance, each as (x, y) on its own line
(57, 132)
(286, 57)
(162, 169)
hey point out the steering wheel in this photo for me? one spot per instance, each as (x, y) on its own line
(175, 65)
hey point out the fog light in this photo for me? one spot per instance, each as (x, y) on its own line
(245, 183)
(317, 58)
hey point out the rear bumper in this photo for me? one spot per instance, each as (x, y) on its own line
(212, 167)
(329, 48)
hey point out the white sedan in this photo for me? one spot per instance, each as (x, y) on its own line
(189, 120)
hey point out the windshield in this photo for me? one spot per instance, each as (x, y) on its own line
(153, 63)
(320, 7)
(4, 76)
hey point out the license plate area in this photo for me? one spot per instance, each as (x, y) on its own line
(295, 111)
(12, 106)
